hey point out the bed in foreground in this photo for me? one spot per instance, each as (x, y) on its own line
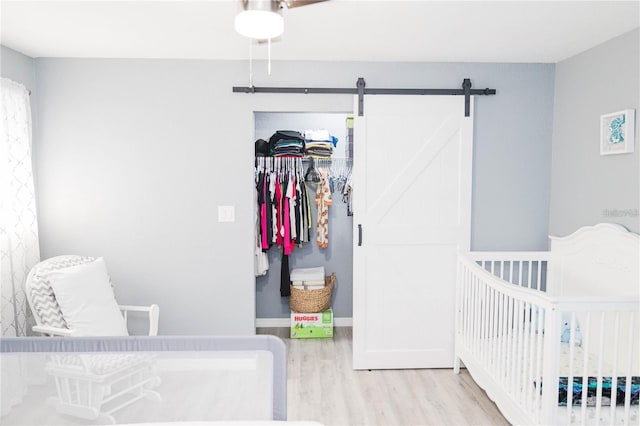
(552, 337)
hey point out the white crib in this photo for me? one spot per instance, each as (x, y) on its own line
(567, 316)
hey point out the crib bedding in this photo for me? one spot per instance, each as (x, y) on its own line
(592, 382)
(608, 389)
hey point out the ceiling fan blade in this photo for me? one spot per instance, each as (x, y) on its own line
(290, 4)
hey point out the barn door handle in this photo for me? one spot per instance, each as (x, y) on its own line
(359, 234)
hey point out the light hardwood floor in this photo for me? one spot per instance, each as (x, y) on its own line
(323, 387)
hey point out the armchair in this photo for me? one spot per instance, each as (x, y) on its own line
(73, 296)
(46, 310)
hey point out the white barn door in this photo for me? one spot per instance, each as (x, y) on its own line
(412, 208)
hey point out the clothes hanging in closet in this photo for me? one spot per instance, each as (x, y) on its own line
(323, 201)
(285, 207)
(261, 261)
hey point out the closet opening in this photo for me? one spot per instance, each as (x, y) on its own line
(336, 253)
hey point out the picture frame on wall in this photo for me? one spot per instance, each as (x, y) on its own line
(617, 132)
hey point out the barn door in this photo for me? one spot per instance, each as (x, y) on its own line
(412, 182)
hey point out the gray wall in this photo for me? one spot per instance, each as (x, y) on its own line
(18, 67)
(134, 156)
(588, 188)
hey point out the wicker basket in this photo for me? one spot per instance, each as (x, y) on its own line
(310, 301)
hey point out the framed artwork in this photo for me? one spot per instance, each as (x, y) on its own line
(617, 132)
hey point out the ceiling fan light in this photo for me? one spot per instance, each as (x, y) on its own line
(259, 24)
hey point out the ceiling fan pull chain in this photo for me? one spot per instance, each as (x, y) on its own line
(269, 64)
(250, 63)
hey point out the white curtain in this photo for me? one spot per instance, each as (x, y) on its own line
(19, 249)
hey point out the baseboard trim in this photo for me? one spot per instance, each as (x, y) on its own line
(286, 322)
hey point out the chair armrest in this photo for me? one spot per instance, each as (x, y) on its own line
(154, 313)
(53, 331)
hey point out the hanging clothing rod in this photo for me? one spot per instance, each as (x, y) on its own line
(360, 90)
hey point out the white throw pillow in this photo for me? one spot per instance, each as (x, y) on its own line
(86, 300)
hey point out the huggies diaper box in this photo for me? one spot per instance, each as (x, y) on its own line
(312, 326)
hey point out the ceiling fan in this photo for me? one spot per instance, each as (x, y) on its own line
(262, 19)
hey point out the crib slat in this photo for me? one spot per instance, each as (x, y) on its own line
(517, 375)
(479, 321)
(550, 365)
(514, 344)
(531, 339)
(520, 262)
(475, 315)
(463, 302)
(483, 337)
(505, 339)
(511, 280)
(540, 320)
(627, 388)
(585, 369)
(470, 302)
(539, 284)
(515, 324)
(472, 345)
(511, 347)
(464, 288)
(600, 360)
(572, 344)
(614, 373)
(482, 307)
(492, 350)
(501, 308)
(486, 325)
(530, 266)
(469, 307)
(525, 364)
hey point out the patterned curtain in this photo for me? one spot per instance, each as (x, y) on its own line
(19, 249)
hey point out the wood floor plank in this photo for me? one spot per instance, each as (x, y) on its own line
(323, 387)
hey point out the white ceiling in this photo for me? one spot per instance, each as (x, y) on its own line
(340, 30)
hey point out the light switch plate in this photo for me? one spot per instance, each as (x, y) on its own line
(226, 214)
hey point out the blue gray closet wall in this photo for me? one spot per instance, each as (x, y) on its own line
(134, 156)
(338, 257)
